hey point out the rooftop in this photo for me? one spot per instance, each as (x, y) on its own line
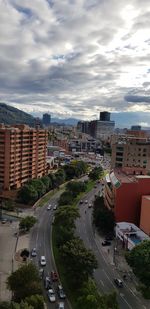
(132, 232)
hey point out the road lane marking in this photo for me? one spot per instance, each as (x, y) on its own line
(102, 282)
(126, 302)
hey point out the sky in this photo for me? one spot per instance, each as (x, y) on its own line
(75, 58)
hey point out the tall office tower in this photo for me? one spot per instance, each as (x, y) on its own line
(22, 155)
(136, 128)
(83, 127)
(46, 119)
(102, 129)
(104, 116)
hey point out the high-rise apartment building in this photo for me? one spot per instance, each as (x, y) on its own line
(104, 116)
(131, 154)
(46, 119)
(22, 155)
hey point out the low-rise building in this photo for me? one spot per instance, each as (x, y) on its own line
(129, 234)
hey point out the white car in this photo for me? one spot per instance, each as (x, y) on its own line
(43, 260)
(61, 305)
(49, 207)
(86, 201)
(51, 295)
(55, 207)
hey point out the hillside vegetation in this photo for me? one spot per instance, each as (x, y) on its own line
(11, 115)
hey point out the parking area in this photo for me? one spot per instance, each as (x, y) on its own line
(7, 249)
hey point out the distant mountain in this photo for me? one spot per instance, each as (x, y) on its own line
(11, 115)
(69, 121)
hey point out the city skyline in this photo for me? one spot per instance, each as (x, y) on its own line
(76, 58)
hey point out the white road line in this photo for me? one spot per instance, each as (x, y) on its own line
(109, 278)
(126, 302)
(102, 282)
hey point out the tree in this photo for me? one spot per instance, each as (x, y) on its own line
(27, 222)
(66, 216)
(24, 282)
(96, 173)
(75, 187)
(69, 171)
(103, 218)
(36, 301)
(39, 186)
(139, 259)
(79, 261)
(28, 194)
(66, 198)
(47, 182)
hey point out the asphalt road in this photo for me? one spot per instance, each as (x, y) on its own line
(41, 239)
(105, 273)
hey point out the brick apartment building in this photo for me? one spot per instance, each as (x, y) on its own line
(131, 153)
(123, 195)
(22, 155)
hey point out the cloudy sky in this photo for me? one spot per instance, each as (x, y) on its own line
(74, 58)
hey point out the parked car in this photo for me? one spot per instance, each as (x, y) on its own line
(61, 305)
(61, 293)
(49, 207)
(54, 275)
(90, 205)
(106, 243)
(51, 295)
(4, 221)
(33, 252)
(81, 201)
(86, 201)
(55, 207)
(43, 260)
(47, 283)
(118, 282)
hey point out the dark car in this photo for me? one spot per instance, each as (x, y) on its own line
(54, 275)
(47, 283)
(106, 243)
(118, 282)
(61, 293)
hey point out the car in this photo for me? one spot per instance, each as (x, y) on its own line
(81, 202)
(61, 293)
(54, 276)
(106, 243)
(33, 252)
(90, 205)
(4, 221)
(49, 207)
(118, 282)
(41, 273)
(47, 283)
(55, 207)
(86, 201)
(61, 305)
(43, 260)
(95, 186)
(51, 295)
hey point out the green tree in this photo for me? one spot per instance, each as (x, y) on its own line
(47, 182)
(66, 198)
(69, 171)
(24, 282)
(79, 261)
(27, 222)
(103, 218)
(139, 259)
(36, 301)
(39, 186)
(66, 216)
(28, 194)
(75, 187)
(96, 173)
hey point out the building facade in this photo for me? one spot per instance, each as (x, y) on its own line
(46, 119)
(123, 195)
(145, 215)
(22, 155)
(131, 154)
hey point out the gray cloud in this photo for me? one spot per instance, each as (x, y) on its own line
(75, 57)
